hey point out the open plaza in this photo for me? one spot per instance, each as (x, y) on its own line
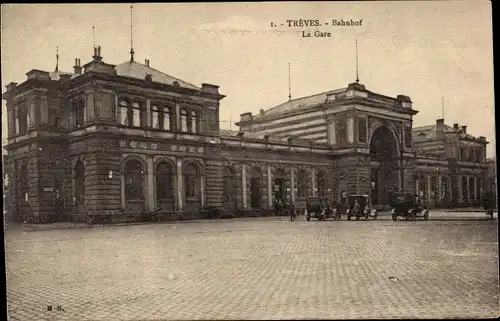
(257, 268)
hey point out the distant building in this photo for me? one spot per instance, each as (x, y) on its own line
(128, 138)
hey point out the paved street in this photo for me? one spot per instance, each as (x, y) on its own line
(260, 268)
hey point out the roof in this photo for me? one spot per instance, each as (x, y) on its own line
(429, 131)
(55, 75)
(137, 70)
(302, 102)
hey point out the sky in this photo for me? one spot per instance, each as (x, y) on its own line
(438, 53)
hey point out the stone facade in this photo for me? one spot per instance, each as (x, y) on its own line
(125, 139)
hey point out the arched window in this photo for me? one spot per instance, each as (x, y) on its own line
(136, 115)
(23, 120)
(23, 182)
(79, 183)
(302, 183)
(123, 111)
(164, 181)
(79, 109)
(166, 118)
(191, 181)
(184, 124)
(133, 180)
(321, 181)
(155, 115)
(472, 185)
(194, 122)
(465, 185)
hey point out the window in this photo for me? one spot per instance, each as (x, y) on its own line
(184, 125)
(23, 120)
(155, 114)
(161, 117)
(79, 110)
(123, 111)
(191, 186)
(362, 130)
(79, 183)
(302, 183)
(194, 122)
(341, 134)
(166, 118)
(130, 114)
(164, 182)
(136, 115)
(133, 180)
(321, 181)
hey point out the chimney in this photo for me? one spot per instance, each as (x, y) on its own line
(262, 112)
(149, 77)
(146, 62)
(11, 85)
(97, 54)
(77, 67)
(455, 126)
(464, 129)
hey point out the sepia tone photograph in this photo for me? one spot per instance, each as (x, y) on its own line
(249, 161)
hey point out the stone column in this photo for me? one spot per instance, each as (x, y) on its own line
(202, 190)
(269, 187)
(439, 192)
(122, 190)
(244, 186)
(178, 124)
(180, 186)
(428, 190)
(468, 189)
(150, 191)
(475, 188)
(350, 130)
(417, 181)
(148, 113)
(292, 182)
(313, 181)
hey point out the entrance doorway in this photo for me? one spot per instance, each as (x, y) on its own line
(384, 160)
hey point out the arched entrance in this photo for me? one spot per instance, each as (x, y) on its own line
(384, 158)
(255, 188)
(279, 184)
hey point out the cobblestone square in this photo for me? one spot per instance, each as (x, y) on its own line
(260, 268)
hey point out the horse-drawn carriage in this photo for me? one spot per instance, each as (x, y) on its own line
(360, 206)
(407, 206)
(321, 209)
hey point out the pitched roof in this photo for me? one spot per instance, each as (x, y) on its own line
(137, 70)
(302, 102)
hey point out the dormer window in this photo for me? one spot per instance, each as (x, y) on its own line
(422, 134)
(149, 77)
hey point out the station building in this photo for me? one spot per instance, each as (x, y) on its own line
(128, 138)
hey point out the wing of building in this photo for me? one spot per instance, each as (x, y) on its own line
(124, 139)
